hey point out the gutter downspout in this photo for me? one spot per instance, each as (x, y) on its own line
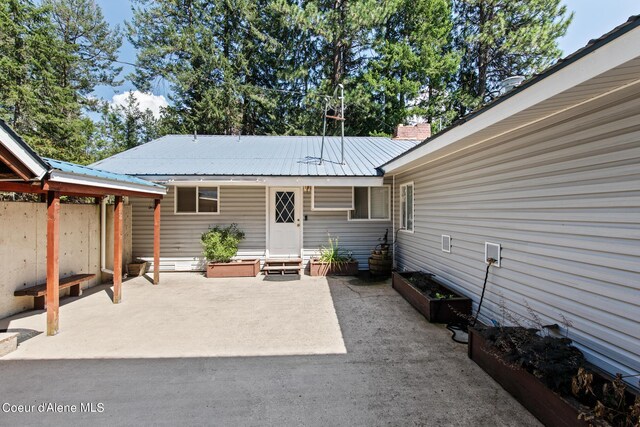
(103, 237)
(393, 221)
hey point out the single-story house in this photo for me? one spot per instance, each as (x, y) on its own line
(549, 172)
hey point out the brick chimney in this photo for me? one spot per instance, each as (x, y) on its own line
(418, 132)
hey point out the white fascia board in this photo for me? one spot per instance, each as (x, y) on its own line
(617, 52)
(70, 178)
(276, 181)
(23, 155)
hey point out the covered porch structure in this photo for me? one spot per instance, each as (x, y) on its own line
(23, 171)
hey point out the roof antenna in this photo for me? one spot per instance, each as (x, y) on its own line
(324, 126)
(339, 118)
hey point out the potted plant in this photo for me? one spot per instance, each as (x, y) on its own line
(333, 261)
(548, 376)
(220, 247)
(432, 298)
(137, 268)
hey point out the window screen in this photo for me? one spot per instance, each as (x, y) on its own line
(406, 207)
(207, 199)
(186, 199)
(379, 202)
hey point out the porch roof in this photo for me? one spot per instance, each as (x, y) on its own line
(274, 156)
(22, 170)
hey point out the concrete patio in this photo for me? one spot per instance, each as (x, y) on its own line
(190, 316)
(397, 369)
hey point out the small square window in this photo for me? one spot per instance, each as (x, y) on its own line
(370, 203)
(194, 200)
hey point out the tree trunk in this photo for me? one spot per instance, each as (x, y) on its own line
(338, 48)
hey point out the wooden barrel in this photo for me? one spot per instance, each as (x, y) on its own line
(380, 263)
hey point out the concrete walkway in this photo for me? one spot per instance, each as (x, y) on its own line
(397, 370)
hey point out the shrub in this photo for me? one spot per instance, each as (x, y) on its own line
(333, 254)
(221, 243)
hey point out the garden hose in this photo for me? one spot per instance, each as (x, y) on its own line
(490, 262)
(463, 326)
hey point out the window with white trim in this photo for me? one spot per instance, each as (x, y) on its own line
(197, 200)
(406, 206)
(370, 203)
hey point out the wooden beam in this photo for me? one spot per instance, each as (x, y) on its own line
(94, 191)
(117, 250)
(14, 163)
(21, 187)
(156, 242)
(53, 267)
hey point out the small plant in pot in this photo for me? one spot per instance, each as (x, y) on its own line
(333, 261)
(220, 247)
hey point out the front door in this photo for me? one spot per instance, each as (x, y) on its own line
(285, 230)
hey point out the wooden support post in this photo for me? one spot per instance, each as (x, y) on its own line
(53, 267)
(117, 250)
(156, 242)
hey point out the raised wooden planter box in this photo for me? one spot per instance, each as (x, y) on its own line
(436, 310)
(317, 268)
(546, 405)
(137, 268)
(239, 268)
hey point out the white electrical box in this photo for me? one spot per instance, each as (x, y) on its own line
(446, 243)
(492, 250)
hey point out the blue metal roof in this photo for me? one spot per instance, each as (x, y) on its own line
(251, 155)
(96, 173)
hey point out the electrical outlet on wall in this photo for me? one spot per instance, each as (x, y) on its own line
(492, 250)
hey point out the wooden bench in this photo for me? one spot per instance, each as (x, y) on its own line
(282, 266)
(39, 292)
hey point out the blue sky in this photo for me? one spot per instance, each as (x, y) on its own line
(592, 18)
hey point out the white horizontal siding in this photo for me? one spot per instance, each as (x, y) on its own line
(328, 198)
(358, 237)
(180, 234)
(563, 200)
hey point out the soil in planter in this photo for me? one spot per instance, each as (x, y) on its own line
(426, 284)
(554, 361)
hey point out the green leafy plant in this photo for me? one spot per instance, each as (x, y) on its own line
(221, 243)
(428, 285)
(333, 254)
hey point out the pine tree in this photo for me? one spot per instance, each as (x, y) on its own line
(502, 38)
(90, 47)
(47, 71)
(123, 127)
(204, 49)
(411, 67)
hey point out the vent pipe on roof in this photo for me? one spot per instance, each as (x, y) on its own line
(195, 136)
(510, 83)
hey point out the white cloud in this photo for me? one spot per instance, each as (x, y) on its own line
(147, 101)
